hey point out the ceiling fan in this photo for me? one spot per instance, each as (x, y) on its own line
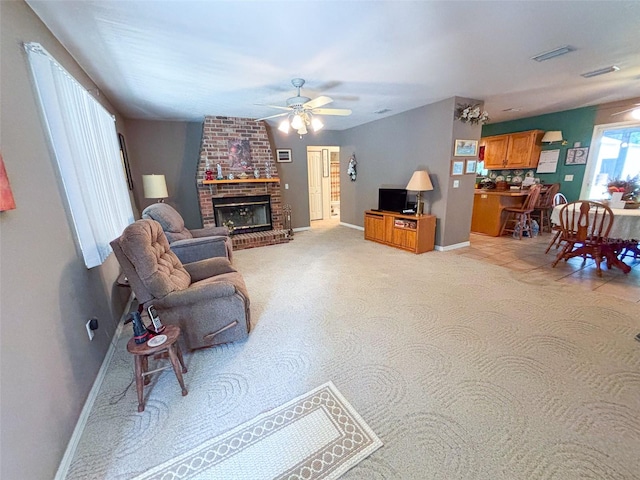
(300, 111)
(635, 107)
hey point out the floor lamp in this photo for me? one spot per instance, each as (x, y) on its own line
(420, 182)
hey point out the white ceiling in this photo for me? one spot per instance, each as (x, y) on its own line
(182, 60)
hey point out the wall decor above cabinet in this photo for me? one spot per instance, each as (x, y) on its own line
(512, 150)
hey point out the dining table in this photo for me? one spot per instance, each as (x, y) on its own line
(623, 236)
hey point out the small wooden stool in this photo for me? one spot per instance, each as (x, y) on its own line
(141, 354)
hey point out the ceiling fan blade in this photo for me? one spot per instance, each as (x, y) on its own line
(273, 106)
(272, 116)
(318, 102)
(332, 111)
(627, 110)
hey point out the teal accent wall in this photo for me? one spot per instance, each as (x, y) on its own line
(576, 126)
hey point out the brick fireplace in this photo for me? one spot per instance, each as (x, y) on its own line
(240, 146)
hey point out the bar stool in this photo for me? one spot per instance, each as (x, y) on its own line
(518, 219)
(141, 354)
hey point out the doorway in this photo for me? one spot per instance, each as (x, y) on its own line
(323, 169)
(614, 155)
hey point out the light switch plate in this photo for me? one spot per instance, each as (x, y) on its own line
(568, 178)
(456, 183)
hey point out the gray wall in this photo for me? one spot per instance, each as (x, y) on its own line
(171, 149)
(389, 150)
(295, 173)
(48, 364)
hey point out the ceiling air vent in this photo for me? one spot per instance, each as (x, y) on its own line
(541, 57)
(601, 71)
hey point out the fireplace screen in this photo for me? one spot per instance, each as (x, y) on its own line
(247, 214)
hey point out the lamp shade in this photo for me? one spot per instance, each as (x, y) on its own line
(420, 181)
(154, 186)
(552, 136)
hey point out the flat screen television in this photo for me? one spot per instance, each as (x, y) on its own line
(392, 199)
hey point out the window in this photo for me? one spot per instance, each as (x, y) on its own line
(615, 156)
(84, 142)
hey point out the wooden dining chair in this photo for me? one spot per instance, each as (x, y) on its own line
(558, 199)
(518, 219)
(585, 227)
(542, 210)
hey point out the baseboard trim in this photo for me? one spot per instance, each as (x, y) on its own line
(301, 229)
(65, 463)
(455, 246)
(356, 227)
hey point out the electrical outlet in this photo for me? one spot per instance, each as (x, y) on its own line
(89, 331)
(456, 183)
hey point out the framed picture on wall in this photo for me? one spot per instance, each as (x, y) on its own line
(577, 156)
(325, 162)
(283, 155)
(465, 148)
(124, 158)
(457, 167)
(470, 166)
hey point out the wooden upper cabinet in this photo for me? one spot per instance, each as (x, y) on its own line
(495, 151)
(514, 150)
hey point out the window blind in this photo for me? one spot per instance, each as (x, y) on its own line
(84, 142)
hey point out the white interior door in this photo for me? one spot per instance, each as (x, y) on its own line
(314, 169)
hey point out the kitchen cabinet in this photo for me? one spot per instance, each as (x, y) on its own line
(514, 150)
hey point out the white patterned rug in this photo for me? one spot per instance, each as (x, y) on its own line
(315, 436)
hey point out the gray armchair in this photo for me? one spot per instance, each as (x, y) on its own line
(207, 299)
(190, 245)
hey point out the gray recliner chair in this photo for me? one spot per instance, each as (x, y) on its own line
(190, 245)
(207, 299)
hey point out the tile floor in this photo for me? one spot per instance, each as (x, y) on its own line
(528, 255)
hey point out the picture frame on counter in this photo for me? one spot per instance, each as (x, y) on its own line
(470, 166)
(465, 148)
(457, 167)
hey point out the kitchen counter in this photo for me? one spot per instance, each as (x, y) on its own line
(488, 207)
(511, 193)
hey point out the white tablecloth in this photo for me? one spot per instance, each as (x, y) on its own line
(626, 222)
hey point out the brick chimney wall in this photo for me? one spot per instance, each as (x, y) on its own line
(217, 133)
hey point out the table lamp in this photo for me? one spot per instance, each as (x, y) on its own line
(154, 186)
(420, 182)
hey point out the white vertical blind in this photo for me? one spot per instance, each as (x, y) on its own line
(85, 144)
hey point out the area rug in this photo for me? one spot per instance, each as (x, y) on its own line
(317, 435)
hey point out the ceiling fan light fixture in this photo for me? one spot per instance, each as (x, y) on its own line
(284, 126)
(297, 122)
(600, 71)
(316, 124)
(302, 130)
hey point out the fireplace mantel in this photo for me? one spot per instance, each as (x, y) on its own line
(242, 180)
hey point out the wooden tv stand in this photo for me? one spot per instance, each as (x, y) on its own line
(409, 232)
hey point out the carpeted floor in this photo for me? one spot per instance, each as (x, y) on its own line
(464, 370)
